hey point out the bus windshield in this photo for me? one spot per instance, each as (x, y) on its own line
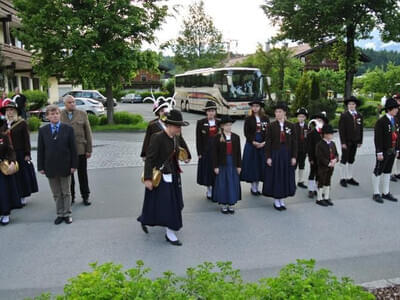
(242, 85)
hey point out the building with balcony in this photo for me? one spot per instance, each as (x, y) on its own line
(16, 62)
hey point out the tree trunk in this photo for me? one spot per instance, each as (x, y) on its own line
(110, 104)
(350, 65)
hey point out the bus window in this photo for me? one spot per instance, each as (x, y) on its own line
(241, 85)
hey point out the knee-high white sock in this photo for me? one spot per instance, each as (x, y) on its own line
(375, 183)
(385, 183)
(254, 186)
(23, 200)
(343, 171)
(301, 174)
(349, 171)
(282, 203)
(209, 191)
(326, 192)
(277, 203)
(171, 234)
(319, 194)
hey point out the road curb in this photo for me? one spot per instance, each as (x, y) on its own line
(380, 284)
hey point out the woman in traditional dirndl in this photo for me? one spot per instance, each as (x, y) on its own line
(227, 167)
(17, 130)
(255, 128)
(206, 130)
(163, 205)
(281, 153)
(9, 196)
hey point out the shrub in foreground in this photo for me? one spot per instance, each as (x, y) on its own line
(209, 281)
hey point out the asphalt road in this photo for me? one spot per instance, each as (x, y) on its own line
(357, 237)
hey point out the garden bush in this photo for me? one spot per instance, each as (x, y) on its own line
(124, 117)
(35, 99)
(34, 124)
(209, 281)
(93, 120)
(103, 120)
(369, 110)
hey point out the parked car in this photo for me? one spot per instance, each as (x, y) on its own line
(90, 106)
(132, 98)
(92, 94)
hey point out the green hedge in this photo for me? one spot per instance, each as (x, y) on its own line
(34, 124)
(156, 94)
(124, 117)
(93, 120)
(35, 98)
(209, 281)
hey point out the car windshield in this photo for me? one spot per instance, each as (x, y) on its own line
(242, 85)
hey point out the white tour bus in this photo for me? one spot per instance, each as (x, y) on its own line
(230, 88)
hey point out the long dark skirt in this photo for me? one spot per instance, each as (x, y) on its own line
(253, 164)
(227, 184)
(279, 180)
(163, 205)
(9, 197)
(26, 176)
(205, 171)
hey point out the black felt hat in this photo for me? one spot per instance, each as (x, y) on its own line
(328, 129)
(390, 104)
(322, 116)
(210, 105)
(10, 104)
(302, 111)
(259, 102)
(174, 117)
(352, 99)
(281, 105)
(226, 119)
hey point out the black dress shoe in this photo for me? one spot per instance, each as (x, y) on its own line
(58, 220)
(343, 182)
(377, 198)
(322, 202)
(208, 197)
(389, 197)
(278, 207)
(68, 220)
(352, 181)
(329, 202)
(224, 210)
(397, 176)
(301, 185)
(255, 193)
(86, 202)
(144, 228)
(231, 210)
(310, 194)
(175, 243)
(283, 207)
(393, 178)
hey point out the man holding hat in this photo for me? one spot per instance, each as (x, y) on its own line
(351, 136)
(386, 133)
(206, 130)
(302, 129)
(163, 204)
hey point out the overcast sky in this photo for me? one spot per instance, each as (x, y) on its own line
(241, 20)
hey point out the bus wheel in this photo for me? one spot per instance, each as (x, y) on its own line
(187, 107)
(182, 106)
